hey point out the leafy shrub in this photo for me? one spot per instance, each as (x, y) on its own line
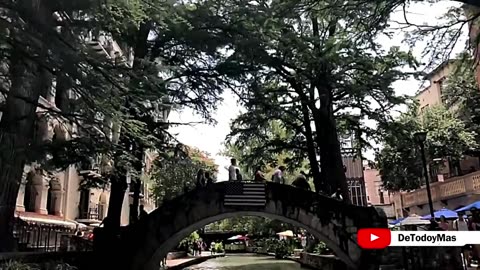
(219, 248)
(16, 265)
(282, 250)
(65, 266)
(322, 249)
(187, 243)
(53, 265)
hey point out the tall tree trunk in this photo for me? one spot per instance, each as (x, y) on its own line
(18, 119)
(327, 138)
(331, 162)
(16, 135)
(311, 151)
(118, 187)
(140, 52)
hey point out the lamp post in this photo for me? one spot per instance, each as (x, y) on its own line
(421, 137)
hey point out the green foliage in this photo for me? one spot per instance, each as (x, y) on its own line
(219, 248)
(322, 249)
(16, 265)
(189, 240)
(175, 171)
(399, 160)
(253, 153)
(461, 93)
(280, 248)
(101, 86)
(305, 65)
(252, 225)
(439, 38)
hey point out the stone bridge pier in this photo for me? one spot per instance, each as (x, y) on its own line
(145, 243)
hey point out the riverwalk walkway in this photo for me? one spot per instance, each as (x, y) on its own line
(181, 263)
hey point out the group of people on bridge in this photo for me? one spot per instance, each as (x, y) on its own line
(278, 176)
(204, 178)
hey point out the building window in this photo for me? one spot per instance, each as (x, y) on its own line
(382, 200)
(84, 203)
(29, 199)
(357, 192)
(50, 202)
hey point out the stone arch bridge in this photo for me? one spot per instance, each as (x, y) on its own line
(331, 221)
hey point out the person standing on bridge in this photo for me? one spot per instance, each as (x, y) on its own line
(209, 179)
(201, 178)
(232, 170)
(278, 175)
(301, 181)
(259, 177)
(239, 175)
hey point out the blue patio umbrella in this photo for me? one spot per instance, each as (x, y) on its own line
(470, 207)
(448, 214)
(396, 221)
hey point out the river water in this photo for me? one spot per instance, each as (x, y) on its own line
(246, 262)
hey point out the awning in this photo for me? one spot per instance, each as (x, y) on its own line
(470, 207)
(39, 219)
(414, 220)
(238, 237)
(446, 213)
(287, 233)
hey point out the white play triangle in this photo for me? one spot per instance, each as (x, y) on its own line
(373, 237)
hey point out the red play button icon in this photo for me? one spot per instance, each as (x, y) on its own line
(373, 238)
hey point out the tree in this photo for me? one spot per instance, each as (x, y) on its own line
(251, 224)
(111, 99)
(176, 171)
(441, 36)
(268, 150)
(462, 94)
(399, 161)
(308, 65)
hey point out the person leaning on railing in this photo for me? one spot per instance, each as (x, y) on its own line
(259, 176)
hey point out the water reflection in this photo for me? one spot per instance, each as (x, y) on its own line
(246, 262)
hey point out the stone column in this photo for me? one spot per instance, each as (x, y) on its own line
(21, 191)
(40, 185)
(57, 197)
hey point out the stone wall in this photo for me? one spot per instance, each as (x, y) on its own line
(324, 262)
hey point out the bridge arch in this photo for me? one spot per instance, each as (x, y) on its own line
(331, 221)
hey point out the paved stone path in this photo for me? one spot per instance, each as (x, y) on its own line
(175, 262)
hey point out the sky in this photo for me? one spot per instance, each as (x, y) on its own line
(211, 138)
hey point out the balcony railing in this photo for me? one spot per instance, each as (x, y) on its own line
(451, 188)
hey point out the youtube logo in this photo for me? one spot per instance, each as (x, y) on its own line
(373, 238)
